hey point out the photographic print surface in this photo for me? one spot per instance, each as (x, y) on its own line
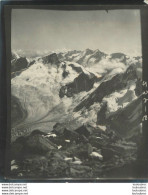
(76, 86)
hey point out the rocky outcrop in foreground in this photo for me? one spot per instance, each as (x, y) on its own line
(86, 152)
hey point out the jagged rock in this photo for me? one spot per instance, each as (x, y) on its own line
(81, 150)
(125, 121)
(98, 55)
(84, 150)
(19, 64)
(119, 56)
(93, 140)
(52, 58)
(68, 56)
(101, 115)
(37, 132)
(39, 144)
(69, 134)
(86, 52)
(81, 83)
(65, 74)
(83, 130)
(118, 82)
(60, 56)
(84, 58)
(35, 143)
(58, 128)
(128, 97)
(78, 69)
(68, 138)
(31, 63)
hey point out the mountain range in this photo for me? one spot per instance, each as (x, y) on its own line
(78, 112)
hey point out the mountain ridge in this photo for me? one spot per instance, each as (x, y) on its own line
(75, 114)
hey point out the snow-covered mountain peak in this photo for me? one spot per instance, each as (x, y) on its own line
(73, 86)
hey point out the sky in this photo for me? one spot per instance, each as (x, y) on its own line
(52, 30)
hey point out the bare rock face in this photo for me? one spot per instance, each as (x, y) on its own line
(87, 52)
(101, 115)
(35, 143)
(39, 144)
(81, 83)
(83, 130)
(98, 56)
(32, 62)
(120, 56)
(19, 64)
(52, 58)
(118, 82)
(126, 121)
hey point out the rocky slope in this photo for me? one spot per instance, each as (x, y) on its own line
(75, 114)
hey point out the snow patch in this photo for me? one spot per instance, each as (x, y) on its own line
(96, 155)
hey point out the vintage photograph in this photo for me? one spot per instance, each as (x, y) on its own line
(76, 94)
